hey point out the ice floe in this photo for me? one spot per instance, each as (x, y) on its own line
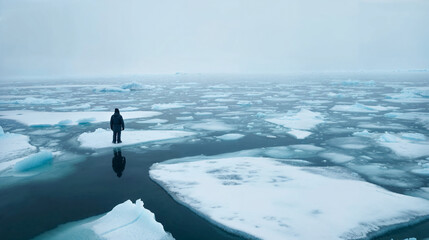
(421, 117)
(298, 122)
(410, 95)
(165, 106)
(337, 157)
(212, 125)
(295, 199)
(187, 118)
(79, 106)
(13, 146)
(406, 144)
(230, 136)
(35, 118)
(34, 161)
(101, 138)
(131, 221)
(153, 120)
(358, 107)
(299, 134)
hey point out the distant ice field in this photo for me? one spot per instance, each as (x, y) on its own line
(371, 131)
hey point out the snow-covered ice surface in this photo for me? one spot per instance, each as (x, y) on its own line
(374, 127)
(97, 139)
(295, 199)
(126, 221)
(13, 146)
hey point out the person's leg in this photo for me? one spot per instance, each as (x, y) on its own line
(119, 137)
(114, 137)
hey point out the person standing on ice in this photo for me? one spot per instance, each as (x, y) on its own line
(117, 125)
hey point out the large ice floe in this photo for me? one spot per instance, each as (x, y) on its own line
(125, 221)
(35, 118)
(101, 138)
(267, 199)
(298, 122)
(13, 146)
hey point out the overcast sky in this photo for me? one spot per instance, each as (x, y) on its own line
(105, 37)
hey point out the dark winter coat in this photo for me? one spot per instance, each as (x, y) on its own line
(117, 122)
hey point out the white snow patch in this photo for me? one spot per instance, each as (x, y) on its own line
(125, 221)
(101, 138)
(295, 199)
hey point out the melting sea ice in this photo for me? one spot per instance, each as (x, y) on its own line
(217, 157)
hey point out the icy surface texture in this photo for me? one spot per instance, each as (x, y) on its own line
(97, 139)
(292, 202)
(34, 161)
(34, 118)
(125, 221)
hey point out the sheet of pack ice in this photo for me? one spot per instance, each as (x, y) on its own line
(298, 122)
(13, 146)
(125, 221)
(264, 198)
(102, 138)
(358, 107)
(35, 118)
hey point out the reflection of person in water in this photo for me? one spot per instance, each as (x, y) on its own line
(118, 162)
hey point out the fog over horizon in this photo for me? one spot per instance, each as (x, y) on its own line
(48, 38)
